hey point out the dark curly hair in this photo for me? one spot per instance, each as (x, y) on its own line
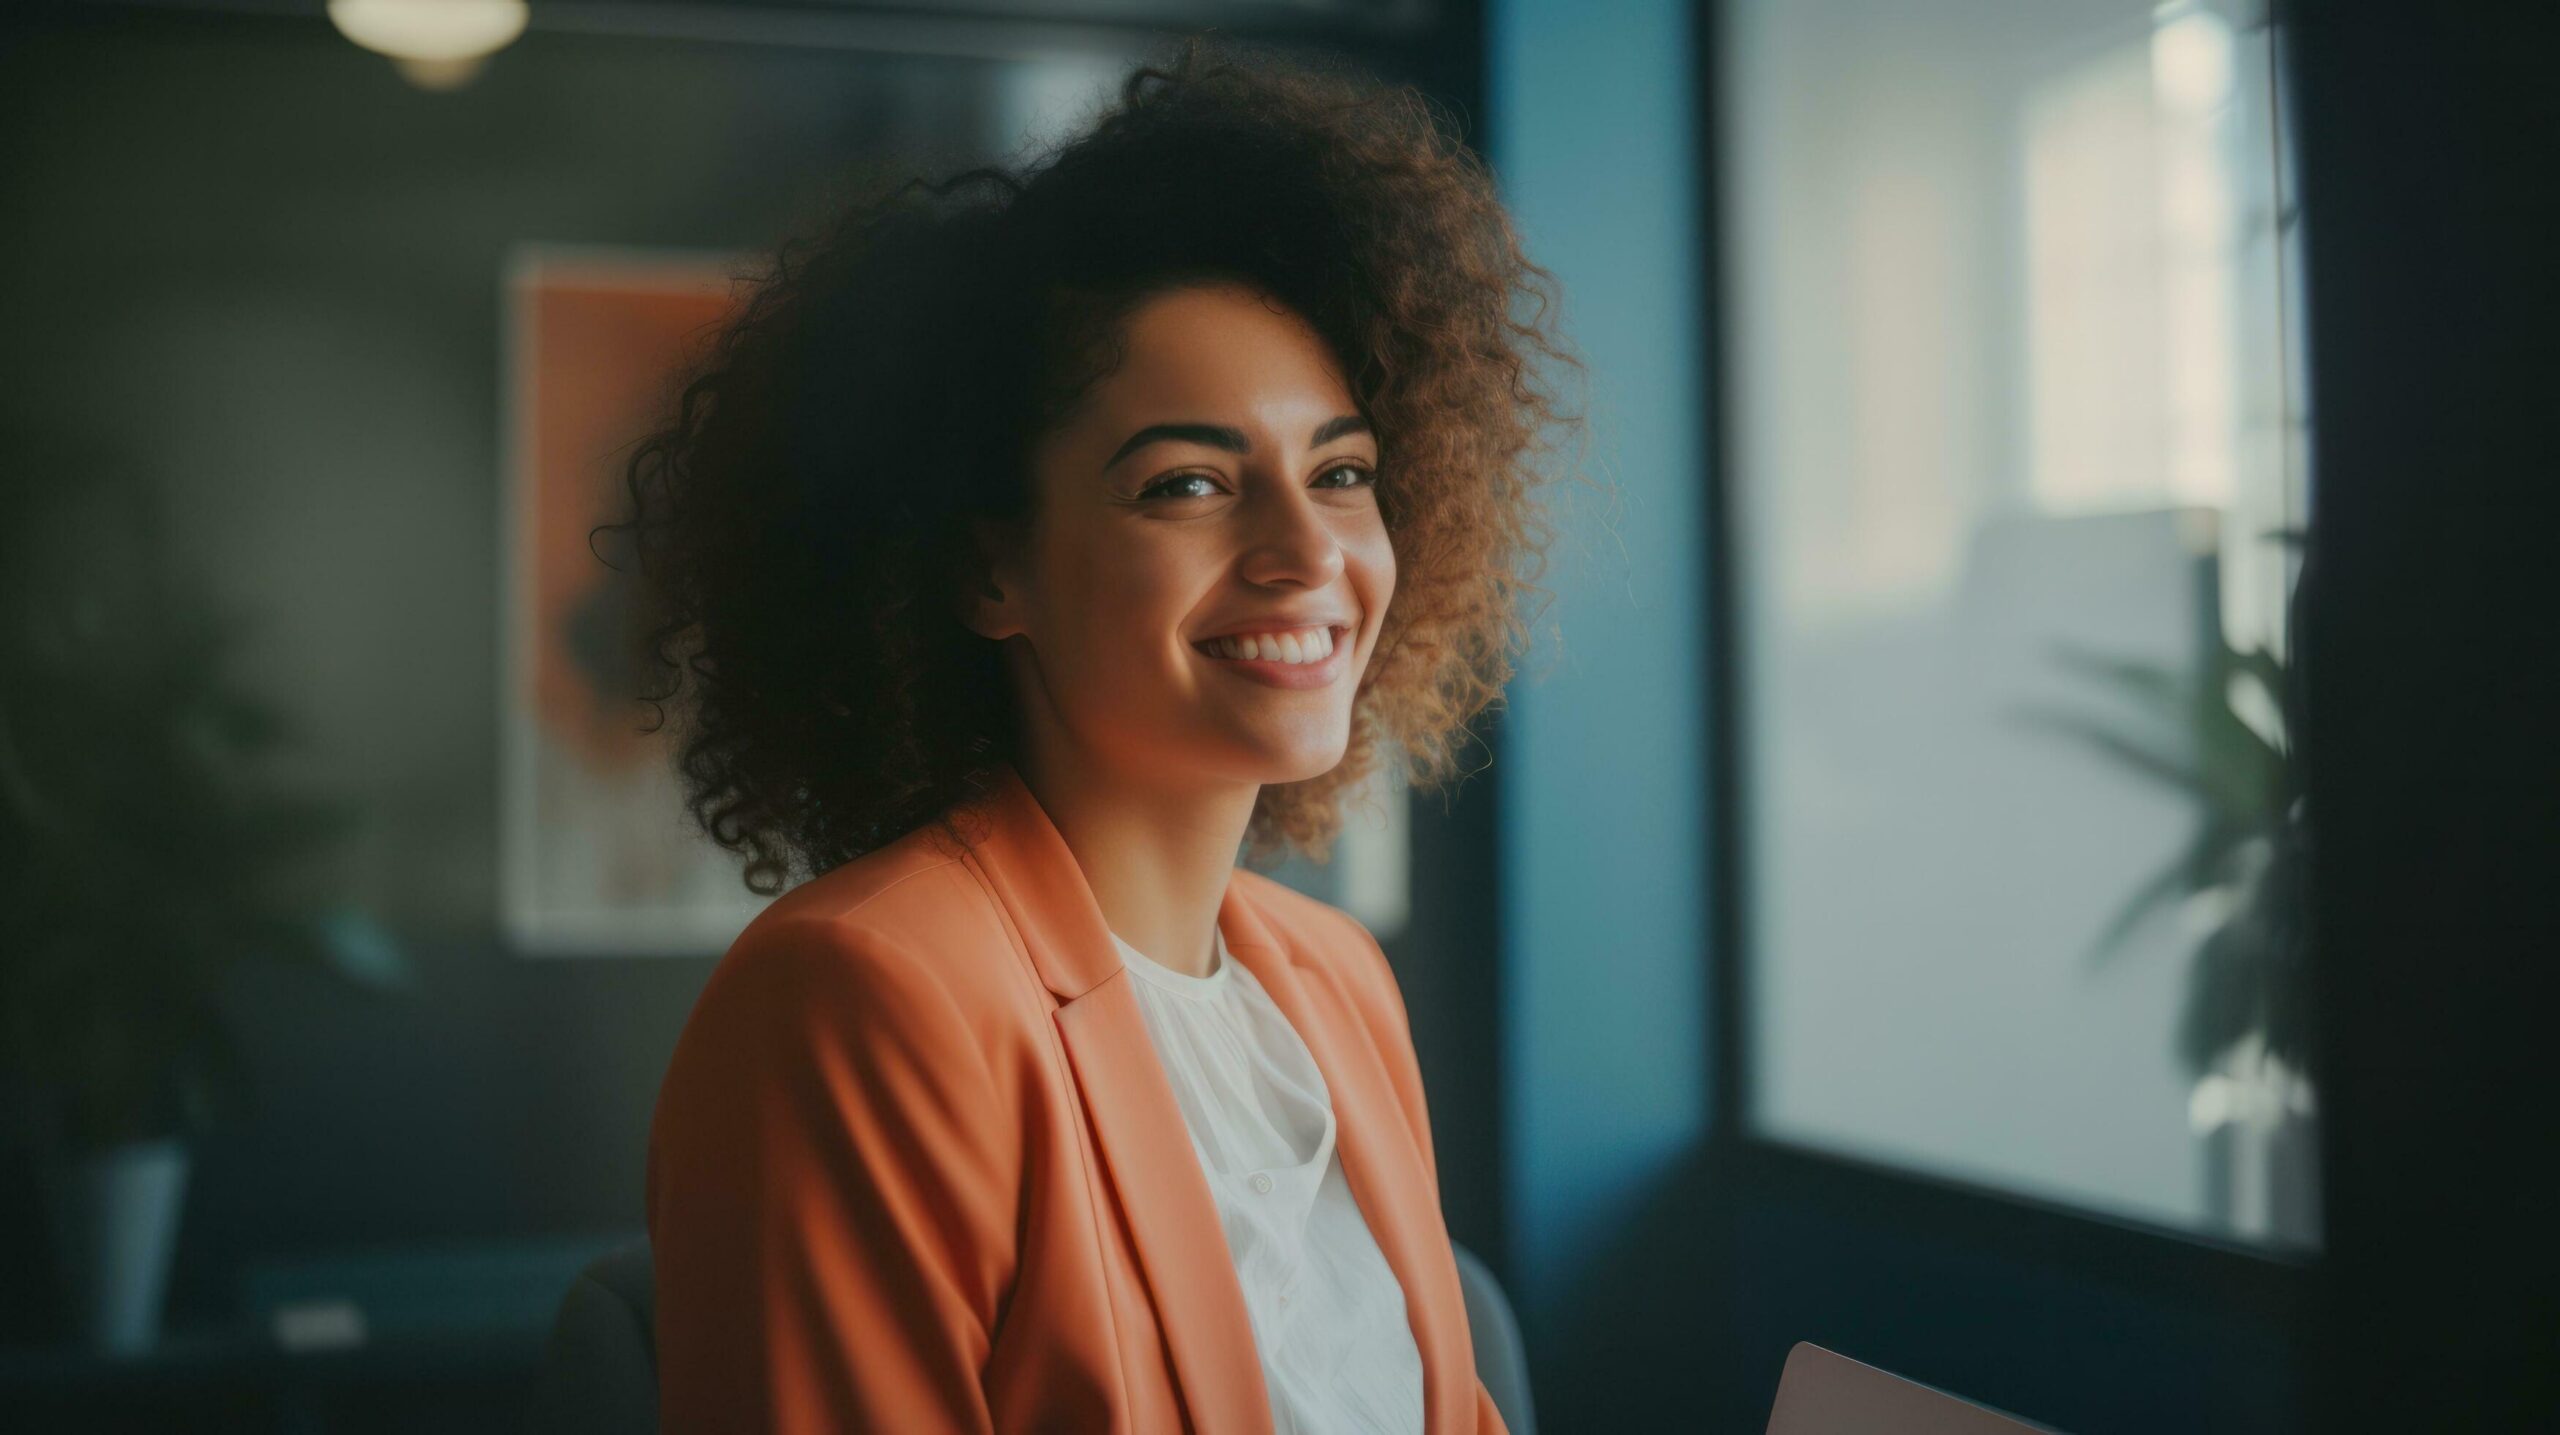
(802, 521)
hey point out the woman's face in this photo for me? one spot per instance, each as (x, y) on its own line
(1218, 483)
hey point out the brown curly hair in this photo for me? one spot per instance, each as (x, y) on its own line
(802, 520)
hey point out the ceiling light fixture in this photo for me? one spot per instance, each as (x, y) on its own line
(435, 44)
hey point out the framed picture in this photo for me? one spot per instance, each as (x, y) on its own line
(597, 856)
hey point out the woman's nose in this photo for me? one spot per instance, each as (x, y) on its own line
(1288, 539)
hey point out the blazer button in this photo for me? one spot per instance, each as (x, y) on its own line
(1262, 1181)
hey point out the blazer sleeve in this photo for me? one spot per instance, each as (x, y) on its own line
(1391, 1031)
(832, 1192)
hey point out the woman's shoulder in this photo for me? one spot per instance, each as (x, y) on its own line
(909, 915)
(1307, 925)
(858, 1003)
(1319, 935)
(913, 887)
(915, 914)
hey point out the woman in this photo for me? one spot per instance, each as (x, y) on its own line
(1026, 548)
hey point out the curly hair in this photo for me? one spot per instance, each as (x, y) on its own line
(802, 520)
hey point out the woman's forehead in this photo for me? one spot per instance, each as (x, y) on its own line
(1224, 348)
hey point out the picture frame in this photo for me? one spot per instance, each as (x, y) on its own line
(597, 855)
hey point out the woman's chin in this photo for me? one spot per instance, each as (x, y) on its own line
(1272, 758)
(1303, 764)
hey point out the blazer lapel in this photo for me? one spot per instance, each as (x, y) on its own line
(1380, 1161)
(1155, 1174)
(1164, 1197)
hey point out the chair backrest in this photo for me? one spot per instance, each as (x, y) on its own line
(1502, 1361)
(600, 1371)
(600, 1374)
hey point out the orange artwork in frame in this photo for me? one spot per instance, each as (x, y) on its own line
(597, 856)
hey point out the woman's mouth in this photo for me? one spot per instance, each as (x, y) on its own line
(1296, 658)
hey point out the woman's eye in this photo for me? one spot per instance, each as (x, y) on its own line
(1170, 487)
(1160, 486)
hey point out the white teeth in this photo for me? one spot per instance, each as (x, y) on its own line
(1305, 645)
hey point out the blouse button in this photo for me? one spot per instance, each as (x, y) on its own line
(1262, 1180)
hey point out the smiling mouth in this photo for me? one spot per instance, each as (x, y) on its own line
(1295, 647)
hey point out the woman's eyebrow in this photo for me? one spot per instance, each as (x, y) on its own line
(1230, 439)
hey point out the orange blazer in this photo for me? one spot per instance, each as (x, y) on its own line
(915, 1166)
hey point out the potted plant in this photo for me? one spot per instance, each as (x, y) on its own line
(146, 852)
(2223, 737)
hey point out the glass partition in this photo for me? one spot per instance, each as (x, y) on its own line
(2017, 467)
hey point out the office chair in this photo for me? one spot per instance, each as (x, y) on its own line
(600, 1372)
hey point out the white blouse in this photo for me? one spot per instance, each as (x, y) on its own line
(1329, 1318)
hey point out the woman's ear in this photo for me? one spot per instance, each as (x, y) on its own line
(990, 598)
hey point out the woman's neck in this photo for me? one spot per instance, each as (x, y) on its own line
(1158, 859)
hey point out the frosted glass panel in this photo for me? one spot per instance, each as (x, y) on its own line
(2015, 461)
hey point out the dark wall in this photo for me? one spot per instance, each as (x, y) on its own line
(2427, 144)
(254, 261)
(248, 258)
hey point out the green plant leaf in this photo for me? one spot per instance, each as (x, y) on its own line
(2244, 976)
(2155, 891)
(2126, 748)
(147, 767)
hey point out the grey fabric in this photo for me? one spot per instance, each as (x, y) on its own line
(1502, 1360)
(600, 1370)
(600, 1373)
